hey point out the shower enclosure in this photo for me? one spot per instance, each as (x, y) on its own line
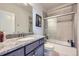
(60, 29)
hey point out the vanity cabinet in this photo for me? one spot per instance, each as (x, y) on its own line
(35, 48)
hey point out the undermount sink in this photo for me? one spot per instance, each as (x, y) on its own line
(25, 39)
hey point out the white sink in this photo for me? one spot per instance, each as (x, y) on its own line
(25, 39)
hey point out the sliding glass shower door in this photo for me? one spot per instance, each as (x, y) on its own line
(60, 30)
(52, 28)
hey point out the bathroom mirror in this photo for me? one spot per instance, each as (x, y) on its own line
(7, 22)
(15, 18)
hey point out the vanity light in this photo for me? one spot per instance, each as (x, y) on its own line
(26, 4)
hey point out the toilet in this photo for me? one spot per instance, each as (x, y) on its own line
(49, 50)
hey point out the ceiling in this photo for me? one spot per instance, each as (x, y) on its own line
(49, 6)
(26, 6)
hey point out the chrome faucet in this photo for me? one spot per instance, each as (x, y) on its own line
(21, 35)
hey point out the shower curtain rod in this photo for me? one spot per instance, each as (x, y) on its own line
(59, 15)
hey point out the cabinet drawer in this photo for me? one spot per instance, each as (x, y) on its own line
(19, 52)
(39, 51)
(31, 47)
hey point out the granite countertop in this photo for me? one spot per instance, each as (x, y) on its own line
(14, 43)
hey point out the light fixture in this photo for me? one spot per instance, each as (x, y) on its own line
(26, 4)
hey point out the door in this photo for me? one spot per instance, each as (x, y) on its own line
(39, 51)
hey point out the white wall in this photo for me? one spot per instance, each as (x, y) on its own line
(77, 28)
(37, 10)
